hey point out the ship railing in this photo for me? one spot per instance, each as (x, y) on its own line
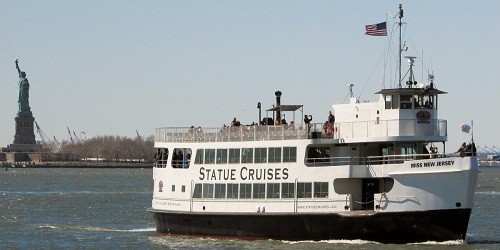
(368, 160)
(231, 134)
(338, 131)
(379, 128)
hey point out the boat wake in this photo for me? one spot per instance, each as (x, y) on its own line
(95, 229)
(349, 242)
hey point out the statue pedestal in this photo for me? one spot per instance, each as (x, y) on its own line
(24, 148)
(24, 129)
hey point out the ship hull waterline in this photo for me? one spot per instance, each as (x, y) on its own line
(386, 227)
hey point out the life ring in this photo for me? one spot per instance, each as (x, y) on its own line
(329, 129)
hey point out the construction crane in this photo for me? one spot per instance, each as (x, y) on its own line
(43, 136)
(70, 136)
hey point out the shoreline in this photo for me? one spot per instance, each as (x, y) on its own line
(78, 165)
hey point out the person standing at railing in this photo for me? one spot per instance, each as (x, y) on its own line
(461, 150)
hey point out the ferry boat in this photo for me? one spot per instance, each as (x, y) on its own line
(370, 172)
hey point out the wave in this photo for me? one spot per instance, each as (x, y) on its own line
(488, 193)
(449, 242)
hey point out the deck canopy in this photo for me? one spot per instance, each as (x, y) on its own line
(290, 108)
(411, 91)
(286, 108)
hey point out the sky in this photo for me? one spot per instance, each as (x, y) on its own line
(119, 66)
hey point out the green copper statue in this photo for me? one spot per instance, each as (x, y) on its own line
(24, 88)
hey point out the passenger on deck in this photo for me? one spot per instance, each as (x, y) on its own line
(235, 122)
(433, 151)
(471, 149)
(328, 129)
(291, 125)
(283, 122)
(175, 158)
(223, 129)
(180, 159)
(307, 119)
(331, 118)
(277, 122)
(461, 150)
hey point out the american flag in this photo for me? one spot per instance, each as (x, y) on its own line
(379, 29)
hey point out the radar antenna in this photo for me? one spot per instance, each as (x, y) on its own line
(411, 78)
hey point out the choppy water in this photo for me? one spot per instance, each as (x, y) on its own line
(106, 208)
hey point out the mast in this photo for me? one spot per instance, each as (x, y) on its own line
(400, 47)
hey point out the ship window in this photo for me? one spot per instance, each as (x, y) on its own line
(173, 188)
(220, 190)
(260, 155)
(247, 155)
(304, 190)
(287, 190)
(221, 156)
(418, 101)
(259, 190)
(428, 102)
(318, 155)
(199, 156)
(181, 157)
(197, 191)
(161, 157)
(274, 155)
(405, 101)
(209, 156)
(208, 191)
(388, 102)
(183, 189)
(245, 191)
(232, 191)
(273, 190)
(234, 155)
(289, 154)
(321, 190)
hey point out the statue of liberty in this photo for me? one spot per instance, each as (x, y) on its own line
(24, 88)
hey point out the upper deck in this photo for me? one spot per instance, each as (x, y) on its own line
(362, 131)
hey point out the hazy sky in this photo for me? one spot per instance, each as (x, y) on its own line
(114, 67)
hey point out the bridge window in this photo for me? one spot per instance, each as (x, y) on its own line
(406, 102)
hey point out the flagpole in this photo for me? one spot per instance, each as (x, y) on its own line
(472, 130)
(400, 49)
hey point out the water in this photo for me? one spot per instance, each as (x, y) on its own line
(106, 208)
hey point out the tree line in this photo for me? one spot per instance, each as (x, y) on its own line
(101, 148)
